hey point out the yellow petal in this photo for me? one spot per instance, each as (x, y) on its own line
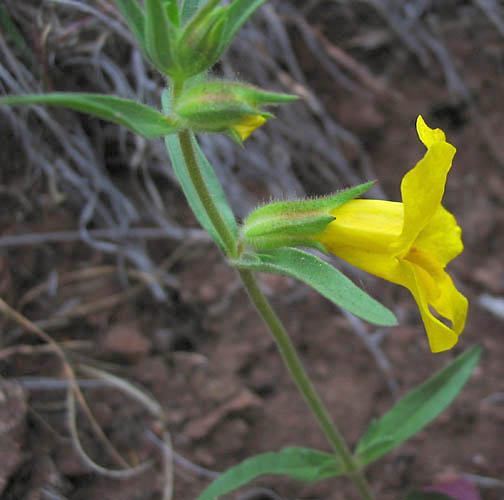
(428, 135)
(441, 237)
(422, 188)
(451, 304)
(383, 265)
(439, 292)
(248, 124)
(371, 224)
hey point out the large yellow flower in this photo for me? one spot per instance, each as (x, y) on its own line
(410, 243)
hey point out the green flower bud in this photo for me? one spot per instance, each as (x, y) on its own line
(200, 44)
(226, 107)
(294, 223)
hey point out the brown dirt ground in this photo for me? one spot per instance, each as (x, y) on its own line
(210, 363)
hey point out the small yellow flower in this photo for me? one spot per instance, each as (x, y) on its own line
(410, 243)
(247, 125)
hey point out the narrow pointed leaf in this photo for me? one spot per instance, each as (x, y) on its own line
(417, 408)
(189, 8)
(159, 35)
(138, 117)
(326, 279)
(135, 18)
(239, 12)
(302, 464)
(173, 13)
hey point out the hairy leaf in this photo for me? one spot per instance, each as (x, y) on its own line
(138, 117)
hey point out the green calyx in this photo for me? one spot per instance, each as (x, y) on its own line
(229, 107)
(294, 223)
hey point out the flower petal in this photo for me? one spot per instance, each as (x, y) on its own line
(248, 124)
(372, 224)
(440, 293)
(422, 188)
(451, 304)
(441, 237)
(429, 284)
(428, 135)
(380, 264)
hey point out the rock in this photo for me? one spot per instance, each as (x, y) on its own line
(12, 428)
(126, 339)
(244, 402)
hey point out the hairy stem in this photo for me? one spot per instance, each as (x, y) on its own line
(273, 323)
(186, 144)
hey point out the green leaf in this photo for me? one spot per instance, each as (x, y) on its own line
(135, 18)
(302, 464)
(239, 12)
(417, 408)
(138, 117)
(189, 8)
(159, 35)
(173, 13)
(320, 275)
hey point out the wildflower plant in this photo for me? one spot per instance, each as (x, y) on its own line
(408, 243)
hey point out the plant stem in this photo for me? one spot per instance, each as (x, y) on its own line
(186, 144)
(274, 324)
(303, 382)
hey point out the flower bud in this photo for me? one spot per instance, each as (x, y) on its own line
(226, 107)
(200, 44)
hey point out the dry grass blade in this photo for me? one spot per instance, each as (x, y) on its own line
(140, 395)
(154, 408)
(115, 474)
(72, 393)
(494, 12)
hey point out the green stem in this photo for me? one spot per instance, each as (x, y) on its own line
(186, 144)
(274, 324)
(303, 382)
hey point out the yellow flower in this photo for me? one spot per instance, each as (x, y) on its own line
(247, 125)
(410, 243)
